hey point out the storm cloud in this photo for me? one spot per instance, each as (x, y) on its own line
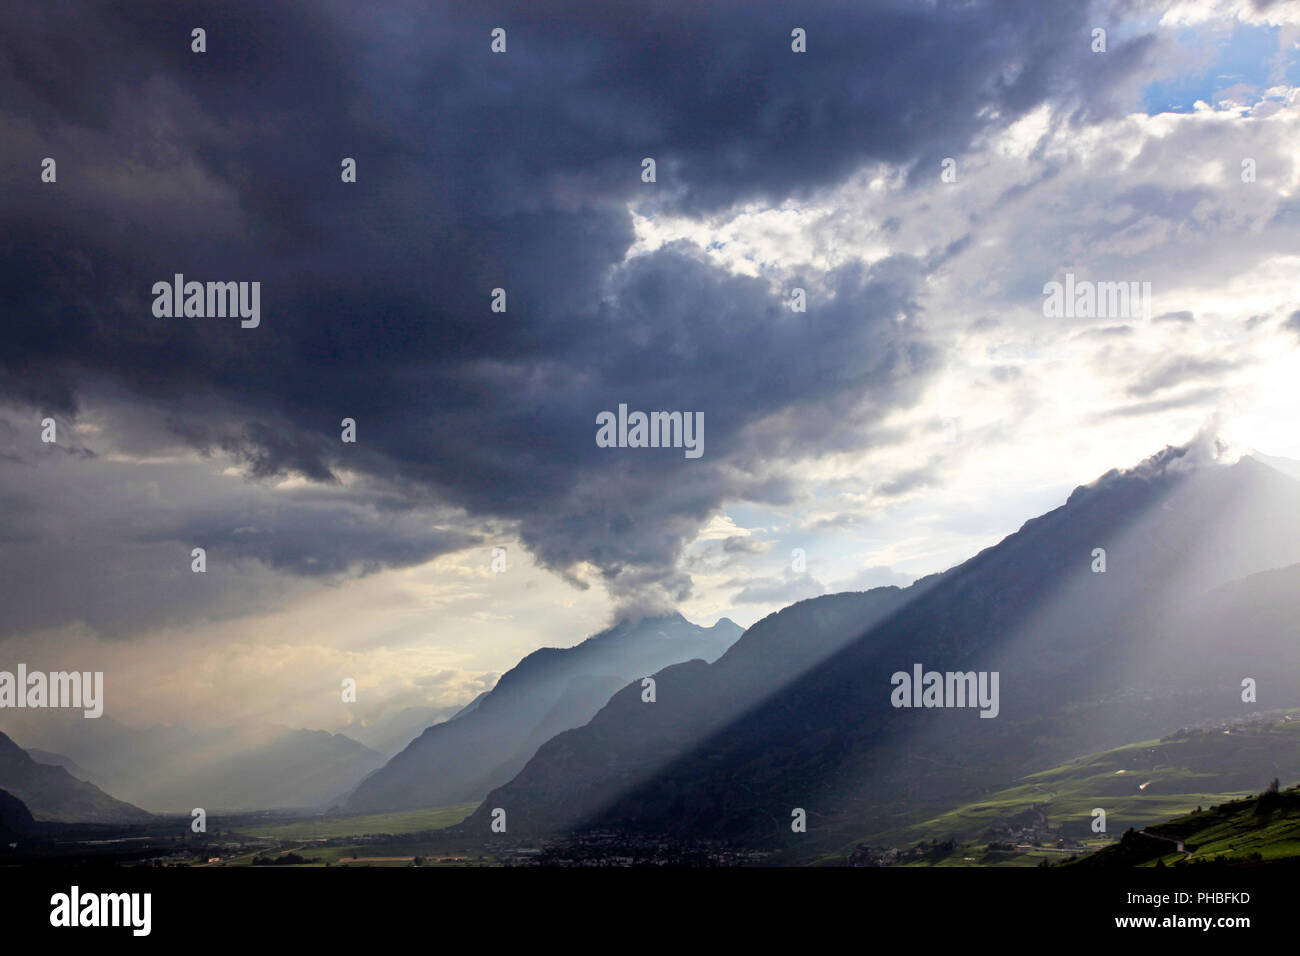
(478, 171)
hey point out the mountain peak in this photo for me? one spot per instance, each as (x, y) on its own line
(633, 619)
(8, 748)
(1203, 451)
(549, 691)
(796, 706)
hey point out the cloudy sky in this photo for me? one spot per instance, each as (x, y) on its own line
(922, 171)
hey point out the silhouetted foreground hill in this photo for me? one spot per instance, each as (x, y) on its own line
(15, 819)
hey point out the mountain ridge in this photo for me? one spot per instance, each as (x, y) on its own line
(1027, 607)
(51, 793)
(484, 745)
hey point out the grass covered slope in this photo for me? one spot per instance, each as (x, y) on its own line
(1140, 783)
(1049, 815)
(1260, 829)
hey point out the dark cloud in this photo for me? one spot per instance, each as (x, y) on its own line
(476, 172)
(911, 479)
(309, 539)
(1200, 396)
(108, 543)
(1106, 332)
(1178, 370)
(714, 556)
(743, 544)
(840, 521)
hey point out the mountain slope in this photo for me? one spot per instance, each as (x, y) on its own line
(15, 819)
(299, 768)
(236, 767)
(58, 760)
(1140, 784)
(1261, 829)
(134, 762)
(51, 793)
(582, 697)
(391, 733)
(1085, 662)
(485, 744)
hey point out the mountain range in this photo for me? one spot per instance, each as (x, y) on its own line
(174, 769)
(549, 691)
(390, 733)
(1156, 597)
(1140, 605)
(51, 793)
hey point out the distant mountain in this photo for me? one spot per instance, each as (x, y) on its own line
(51, 793)
(799, 712)
(582, 697)
(58, 760)
(392, 732)
(550, 690)
(241, 767)
(1287, 466)
(472, 704)
(125, 760)
(299, 768)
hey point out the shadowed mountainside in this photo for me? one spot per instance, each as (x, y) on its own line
(550, 690)
(51, 793)
(1086, 661)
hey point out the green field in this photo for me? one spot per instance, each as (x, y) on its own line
(1180, 775)
(362, 855)
(326, 828)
